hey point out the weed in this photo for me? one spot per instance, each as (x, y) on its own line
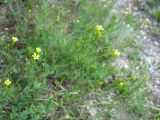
(64, 51)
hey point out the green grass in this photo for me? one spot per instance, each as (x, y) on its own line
(75, 65)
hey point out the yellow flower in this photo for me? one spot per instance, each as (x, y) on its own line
(77, 21)
(116, 52)
(147, 21)
(15, 39)
(7, 82)
(99, 28)
(121, 83)
(35, 56)
(38, 50)
(125, 12)
(29, 10)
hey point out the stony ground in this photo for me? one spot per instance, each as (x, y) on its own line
(150, 42)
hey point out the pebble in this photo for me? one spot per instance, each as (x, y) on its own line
(156, 43)
(157, 82)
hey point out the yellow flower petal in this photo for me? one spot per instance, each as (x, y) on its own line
(38, 50)
(35, 56)
(7, 82)
(15, 39)
(125, 12)
(99, 28)
(116, 52)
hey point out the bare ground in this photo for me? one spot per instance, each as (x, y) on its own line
(150, 51)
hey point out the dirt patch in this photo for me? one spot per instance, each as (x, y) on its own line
(150, 51)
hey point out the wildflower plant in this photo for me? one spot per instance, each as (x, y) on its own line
(76, 60)
(116, 53)
(125, 12)
(38, 50)
(99, 30)
(7, 82)
(15, 39)
(35, 56)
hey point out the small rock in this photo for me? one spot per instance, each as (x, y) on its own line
(157, 82)
(156, 43)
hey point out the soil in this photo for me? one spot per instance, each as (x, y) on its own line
(150, 42)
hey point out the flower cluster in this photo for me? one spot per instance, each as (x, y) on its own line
(36, 54)
(99, 30)
(116, 52)
(7, 82)
(14, 39)
(125, 12)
